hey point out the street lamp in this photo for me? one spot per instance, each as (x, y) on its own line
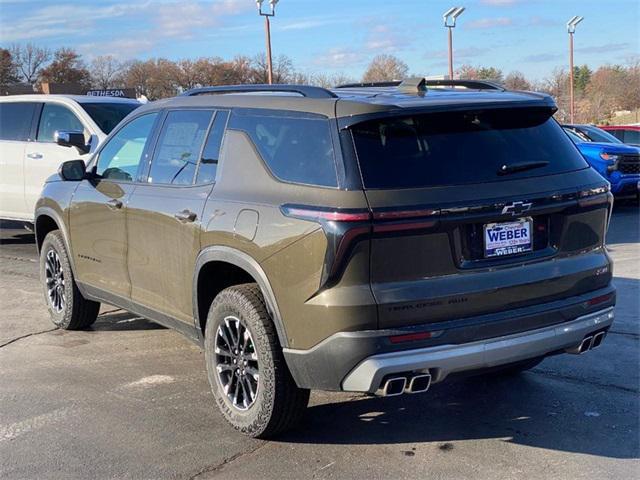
(449, 18)
(267, 27)
(571, 28)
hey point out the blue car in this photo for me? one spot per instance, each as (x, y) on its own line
(615, 161)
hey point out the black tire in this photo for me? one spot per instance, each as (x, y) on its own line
(278, 403)
(516, 368)
(75, 312)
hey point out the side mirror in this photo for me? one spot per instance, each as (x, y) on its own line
(72, 139)
(73, 170)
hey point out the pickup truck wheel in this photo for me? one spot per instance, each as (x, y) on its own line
(69, 310)
(247, 371)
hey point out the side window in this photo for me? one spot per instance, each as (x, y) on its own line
(176, 155)
(209, 161)
(631, 136)
(15, 120)
(619, 134)
(56, 117)
(120, 157)
(296, 147)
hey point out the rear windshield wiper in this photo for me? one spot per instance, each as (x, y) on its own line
(520, 167)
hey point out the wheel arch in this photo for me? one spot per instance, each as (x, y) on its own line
(254, 272)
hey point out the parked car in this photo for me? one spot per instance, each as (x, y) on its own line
(591, 133)
(629, 134)
(364, 239)
(28, 149)
(617, 162)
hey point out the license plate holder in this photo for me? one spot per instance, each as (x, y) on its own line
(508, 238)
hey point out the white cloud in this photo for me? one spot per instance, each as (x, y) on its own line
(339, 58)
(490, 23)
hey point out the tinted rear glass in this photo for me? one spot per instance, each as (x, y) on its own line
(15, 120)
(461, 148)
(108, 115)
(297, 147)
(631, 136)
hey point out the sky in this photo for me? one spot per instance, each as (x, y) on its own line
(335, 36)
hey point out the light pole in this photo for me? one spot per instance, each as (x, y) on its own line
(571, 28)
(267, 27)
(449, 18)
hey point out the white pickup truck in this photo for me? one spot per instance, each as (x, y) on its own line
(29, 149)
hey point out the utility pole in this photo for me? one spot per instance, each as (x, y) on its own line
(267, 28)
(571, 28)
(449, 18)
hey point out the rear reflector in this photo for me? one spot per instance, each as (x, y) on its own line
(598, 300)
(410, 337)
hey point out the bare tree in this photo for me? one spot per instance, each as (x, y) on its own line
(30, 60)
(384, 68)
(106, 72)
(282, 69)
(516, 81)
(67, 67)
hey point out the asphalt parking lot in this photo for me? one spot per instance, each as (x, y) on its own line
(130, 399)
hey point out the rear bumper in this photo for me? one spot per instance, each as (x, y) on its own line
(442, 360)
(327, 365)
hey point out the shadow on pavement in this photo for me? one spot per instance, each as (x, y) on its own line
(627, 231)
(123, 321)
(520, 410)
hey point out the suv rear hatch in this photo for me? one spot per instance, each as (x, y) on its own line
(478, 212)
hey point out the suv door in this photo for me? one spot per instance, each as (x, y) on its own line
(16, 121)
(44, 156)
(98, 210)
(164, 213)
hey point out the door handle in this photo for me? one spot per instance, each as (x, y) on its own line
(114, 204)
(34, 155)
(186, 216)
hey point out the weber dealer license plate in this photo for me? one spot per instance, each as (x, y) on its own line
(507, 238)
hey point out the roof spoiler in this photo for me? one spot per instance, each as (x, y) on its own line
(303, 90)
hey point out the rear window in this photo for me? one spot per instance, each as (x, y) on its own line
(15, 120)
(108, 115)
(462, 148)
(296, 147)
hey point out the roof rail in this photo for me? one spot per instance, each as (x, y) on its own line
(394, 83)
(410, 84)
(473, 84)
(304, 90)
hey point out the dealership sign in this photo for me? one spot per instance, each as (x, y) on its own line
(115, 92)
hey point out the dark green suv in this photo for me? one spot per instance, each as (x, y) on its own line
(369, 238)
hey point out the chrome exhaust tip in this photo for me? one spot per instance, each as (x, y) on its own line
(394, 386)
(597, 339)
(585, 345)
(419, 383)
(582, 347)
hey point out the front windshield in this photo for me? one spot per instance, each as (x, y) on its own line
(108, 115)
(598, 135)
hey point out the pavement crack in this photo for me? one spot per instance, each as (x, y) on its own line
(561, 376)
(226, 461)
(21, 259)
(26, 336)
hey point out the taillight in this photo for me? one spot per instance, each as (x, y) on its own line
(595, 196)
(320, 214)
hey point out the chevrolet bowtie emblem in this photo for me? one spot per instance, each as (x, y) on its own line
(516, 208)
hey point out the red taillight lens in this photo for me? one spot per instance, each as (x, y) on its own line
(328, 215)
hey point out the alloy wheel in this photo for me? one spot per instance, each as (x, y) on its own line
(237, 362)
(54, 277)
